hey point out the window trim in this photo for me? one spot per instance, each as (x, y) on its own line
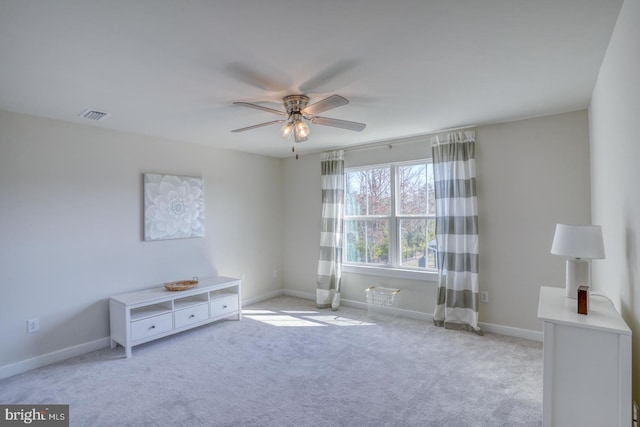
(394, 269)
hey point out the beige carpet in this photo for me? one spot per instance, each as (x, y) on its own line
(288, 364)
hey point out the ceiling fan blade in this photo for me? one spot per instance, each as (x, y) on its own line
(344, 124)
(260, 107)
(341, 70)
(260, 76)
(326, 104)
(259, 125)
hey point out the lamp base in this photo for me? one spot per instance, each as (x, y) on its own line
(578, 274)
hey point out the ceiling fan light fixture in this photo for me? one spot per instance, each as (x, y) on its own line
(287, 130)
(302, 129)
(298, 111)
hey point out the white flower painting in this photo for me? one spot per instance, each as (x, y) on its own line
(173, 207)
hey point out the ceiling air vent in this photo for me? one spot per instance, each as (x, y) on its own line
(94, 115)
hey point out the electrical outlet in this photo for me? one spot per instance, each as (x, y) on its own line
(484, 296)
(33, 326)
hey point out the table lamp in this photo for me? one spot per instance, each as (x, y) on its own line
(579, 244)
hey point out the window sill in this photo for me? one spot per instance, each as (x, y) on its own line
(398, 273)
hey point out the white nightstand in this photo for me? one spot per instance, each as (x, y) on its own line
(587, 362)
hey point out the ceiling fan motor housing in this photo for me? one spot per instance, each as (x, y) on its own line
(295, 103)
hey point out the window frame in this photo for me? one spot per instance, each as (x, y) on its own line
(394, 268)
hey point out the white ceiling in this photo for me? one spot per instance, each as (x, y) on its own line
(173, 68)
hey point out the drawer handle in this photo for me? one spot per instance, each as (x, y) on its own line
(192, 316)
(224, 306)
(152, 327)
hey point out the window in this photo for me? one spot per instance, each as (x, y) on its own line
(390, 216)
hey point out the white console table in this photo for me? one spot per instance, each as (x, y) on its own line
(142, 316)
(587, 362)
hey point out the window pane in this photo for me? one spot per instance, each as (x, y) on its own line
(412, 190)
(355, 193)
(418, 243)
(368, 192)
(367, 241)
(431, 191)
(416, 190)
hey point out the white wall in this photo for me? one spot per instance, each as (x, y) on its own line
(615, 172)
(532, 174)
(301, 225)
(71, 223)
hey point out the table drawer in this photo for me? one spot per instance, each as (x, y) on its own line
(220, 306)
(151, 326)
(194, 314)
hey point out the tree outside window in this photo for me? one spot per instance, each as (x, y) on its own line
(390, 216)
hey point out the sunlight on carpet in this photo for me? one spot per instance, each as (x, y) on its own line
(300, 318)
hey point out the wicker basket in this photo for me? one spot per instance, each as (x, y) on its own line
(181, 285)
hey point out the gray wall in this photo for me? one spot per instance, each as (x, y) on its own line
(532, 174)
(71, 227)
(615, 172)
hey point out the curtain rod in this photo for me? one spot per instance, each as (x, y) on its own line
(390, 142)
(399, 141)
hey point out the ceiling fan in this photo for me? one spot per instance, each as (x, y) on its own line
(297, 110)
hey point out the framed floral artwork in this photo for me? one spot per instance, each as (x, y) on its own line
(173, 207)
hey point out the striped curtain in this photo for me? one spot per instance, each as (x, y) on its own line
(456, 230)
(330, 262)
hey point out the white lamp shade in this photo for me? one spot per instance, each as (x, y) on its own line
(578, 241)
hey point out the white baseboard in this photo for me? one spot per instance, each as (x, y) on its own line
(300, 294)
(512, 332)
(263, 297)
(393, 311)
(12, 369)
